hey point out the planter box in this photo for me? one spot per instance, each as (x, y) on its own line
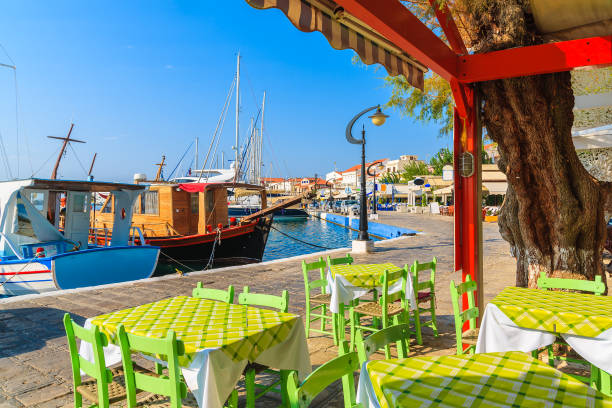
(490, 218)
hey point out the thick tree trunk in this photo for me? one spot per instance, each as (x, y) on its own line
(553, 215)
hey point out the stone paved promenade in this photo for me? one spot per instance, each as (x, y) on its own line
(34, 363)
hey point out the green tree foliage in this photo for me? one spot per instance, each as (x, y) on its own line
(391, 177)
(412, 170)
(443, 157)
(433, 104)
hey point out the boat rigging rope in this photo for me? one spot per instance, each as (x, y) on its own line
(299, 240)
(177, 261)
(212, 252)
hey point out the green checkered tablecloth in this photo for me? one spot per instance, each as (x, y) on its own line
(364, 275)
(241, 332)
(556, 312)
(511, 379)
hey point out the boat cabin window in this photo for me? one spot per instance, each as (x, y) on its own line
(24, 224)
(195, 203)
(38, 201)
(149, 202)
(210, 201)
(79, 203)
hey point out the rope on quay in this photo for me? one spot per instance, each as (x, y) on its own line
(299, 240)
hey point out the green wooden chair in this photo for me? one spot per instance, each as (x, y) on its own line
(105, 386)
(214, 294)
(424, 292)
(398, 334)
(317, 305)
(595, 287)
(391, 306)
(281, 303)
(166, 391)
(345, 260)
(342, 367)
(470, 336)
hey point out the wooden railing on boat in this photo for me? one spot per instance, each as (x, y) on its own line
(278, 206)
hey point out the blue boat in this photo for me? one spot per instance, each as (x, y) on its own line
(46, 242)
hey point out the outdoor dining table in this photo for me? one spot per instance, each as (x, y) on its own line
(219, 339)
(346, 283)
(521, 319)
(511, 379)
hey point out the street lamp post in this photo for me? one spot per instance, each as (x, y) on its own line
(378, 118)
(380, 167)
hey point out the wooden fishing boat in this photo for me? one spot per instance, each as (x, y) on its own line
(190, 223)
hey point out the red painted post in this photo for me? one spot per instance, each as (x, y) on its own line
(468, 196)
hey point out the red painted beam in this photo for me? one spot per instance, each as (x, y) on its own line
(398, 25)
(535, 59)
(445, 18)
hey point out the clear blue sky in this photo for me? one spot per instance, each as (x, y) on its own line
(144, 78)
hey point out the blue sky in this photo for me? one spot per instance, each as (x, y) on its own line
(144, 78)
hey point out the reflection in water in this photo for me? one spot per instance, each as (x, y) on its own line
(312, 230)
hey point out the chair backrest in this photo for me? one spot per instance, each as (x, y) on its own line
(472, 312)
(387, 279)
(168, 347)
(596, 286)
(417, 267)
(97, 369)
(318, 283)
(345, 260)
(399, 334)
(281, 303)
(214, 294)
(342, 367)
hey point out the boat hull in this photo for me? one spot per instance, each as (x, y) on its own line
(21, 277)
(71, 270)
(238, 245)
(104, 266)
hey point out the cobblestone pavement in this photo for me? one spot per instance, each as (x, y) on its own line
(34, 363)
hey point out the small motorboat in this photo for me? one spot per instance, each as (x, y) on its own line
(45, 237)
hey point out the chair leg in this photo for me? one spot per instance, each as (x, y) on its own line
(335, 329)
(232, 401)
(284, 376)
(159, 369)
(354, 321)
(78, 399)
(605, 382)
(434, 322)
(307, 317)
(249, 382)
(341, 322)
(417, 325)
(324, 313)
(551, 356)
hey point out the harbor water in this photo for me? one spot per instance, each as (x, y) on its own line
(282, 241)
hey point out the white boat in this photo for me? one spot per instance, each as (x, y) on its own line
(45, 241)
(207, 176)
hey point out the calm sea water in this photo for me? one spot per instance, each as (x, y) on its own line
(312, 230)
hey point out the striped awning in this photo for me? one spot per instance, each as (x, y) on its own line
(343, 31)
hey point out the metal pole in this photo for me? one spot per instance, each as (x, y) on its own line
(363, 208)
(375, 204)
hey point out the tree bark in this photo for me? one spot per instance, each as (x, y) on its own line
(553, 214)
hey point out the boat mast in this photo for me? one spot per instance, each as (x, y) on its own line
(92, 164)
(237, 146)
(261, 135)
(62, 150)
(159, 168)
